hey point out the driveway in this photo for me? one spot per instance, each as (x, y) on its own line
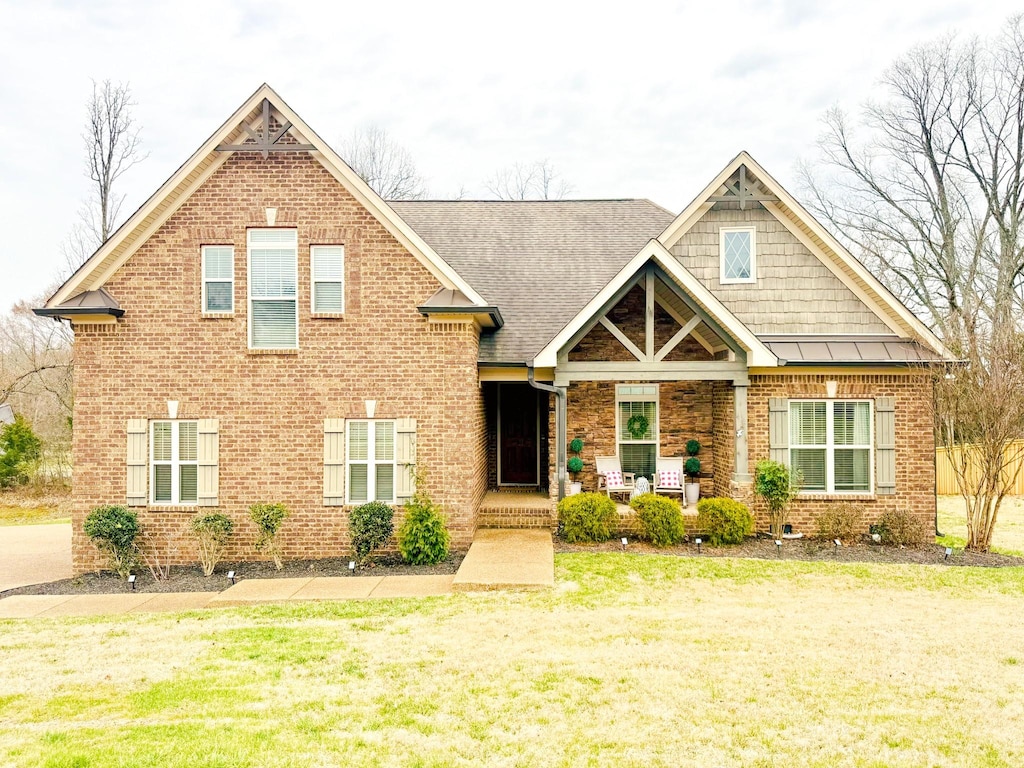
(32, 554)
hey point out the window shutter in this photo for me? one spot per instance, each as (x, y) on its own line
(778, 429)
(207, 454)
(138, 462)
(334, 462)
(885, 446)
(405, 459)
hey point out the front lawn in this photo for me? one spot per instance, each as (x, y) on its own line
(631, 660)
(21, 506)
(1008, 537)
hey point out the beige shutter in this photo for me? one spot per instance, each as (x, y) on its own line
(138, 462)
(334, 462)
(885, 446)
(405, 459)
(778, 429)
(208, 452)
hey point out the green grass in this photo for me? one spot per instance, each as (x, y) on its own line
(630, 661)
(1008, 537)
(32, 515)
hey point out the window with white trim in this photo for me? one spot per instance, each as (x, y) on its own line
(218, 278)
(737, 262)
(636, 405)
(273, 289)
(830, 443)
(327, 268)
(370, 455)
(174, 462)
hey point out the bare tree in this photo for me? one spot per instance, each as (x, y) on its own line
(932, 198)
(112, 146)
(535, 181)
(386, 166)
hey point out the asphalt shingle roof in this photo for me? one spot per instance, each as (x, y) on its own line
(539, 262)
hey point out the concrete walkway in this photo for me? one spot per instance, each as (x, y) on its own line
(497, 559)
(34, 554)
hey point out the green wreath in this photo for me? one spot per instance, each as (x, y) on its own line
(637, 425)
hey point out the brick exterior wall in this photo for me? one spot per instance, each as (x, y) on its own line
(271, 407)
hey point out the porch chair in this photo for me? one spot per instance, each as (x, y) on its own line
(611, 478)
(669, 475)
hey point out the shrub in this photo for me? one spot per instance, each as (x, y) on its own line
(575, 465)
(724, 521)
(576, 445)
(370, 526)
(20, 448)
(113, 529)
(213, 531)
(900, 529)
(839, 521)
(660, 519)
(423, 538)
(268, 519)
(692, 466)
(692, 447)
(586, 517)
(774, 484)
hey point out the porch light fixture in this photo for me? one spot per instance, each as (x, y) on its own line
(231, 576)
(949, 551)
(371, 408)
(698, 543)
(624, 542)
(352, 567)
(131, 580)
(271, 216)
(831, 389)
(172, 409)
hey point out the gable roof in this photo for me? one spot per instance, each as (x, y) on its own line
(538, 261)
(190, 176)
(802, 224)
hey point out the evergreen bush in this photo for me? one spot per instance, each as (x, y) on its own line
(370, 526)
(660, 519)
(586, 517)
(114, 530)
(724, 521)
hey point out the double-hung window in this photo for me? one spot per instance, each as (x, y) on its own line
(370, 456)
(831, 444)
(327, 266)
(174, 465)
(637, 428)
(218, 278)
(273, 289)
(737, 255)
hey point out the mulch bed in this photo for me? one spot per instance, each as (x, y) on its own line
(763, 548)
(189, 578)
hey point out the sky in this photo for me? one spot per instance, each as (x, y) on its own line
(636, 99)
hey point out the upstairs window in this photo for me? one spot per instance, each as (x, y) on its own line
(174, 462)
(738, 263)
(273, 289)
(830, 444)
(327, 266)
(218, 278)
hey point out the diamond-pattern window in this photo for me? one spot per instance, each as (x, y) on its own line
(737, 255)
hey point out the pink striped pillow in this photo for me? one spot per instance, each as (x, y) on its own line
(668, 478)
(614, 479)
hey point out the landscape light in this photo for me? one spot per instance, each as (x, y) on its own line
(352, 567)
(624, 542)
(698, 541)
(876, 537)
(949, 551)
(231, 576)
(838, 544)
(131, 580)
(778, 547)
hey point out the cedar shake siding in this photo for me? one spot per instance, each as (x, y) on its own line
(271, 407)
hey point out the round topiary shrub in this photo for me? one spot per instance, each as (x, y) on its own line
(586, 517)
(724, 521)
(114, 529)
(660, 519)
(576, 445)
(692, 447)
(213, 531)
(370, 525)
(575, 465)
(692, 466)
(423, 537)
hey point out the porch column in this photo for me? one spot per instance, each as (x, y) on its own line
(741, 472)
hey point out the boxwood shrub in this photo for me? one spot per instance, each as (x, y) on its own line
(724, 521)
(586, 517)
(370, 526)
(660, 519)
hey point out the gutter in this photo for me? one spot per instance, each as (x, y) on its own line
(560, 426)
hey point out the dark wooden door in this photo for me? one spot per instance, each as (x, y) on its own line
(517, 434)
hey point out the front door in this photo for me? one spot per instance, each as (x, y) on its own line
(517, 434)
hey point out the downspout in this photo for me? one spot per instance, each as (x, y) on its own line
(559, 427)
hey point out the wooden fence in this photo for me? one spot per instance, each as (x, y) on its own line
(945, 479)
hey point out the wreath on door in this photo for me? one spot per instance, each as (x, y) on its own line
(637, 426)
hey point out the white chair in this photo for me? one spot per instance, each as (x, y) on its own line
(669, 470)
(611, 478)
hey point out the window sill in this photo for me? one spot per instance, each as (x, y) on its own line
(183, 508)
(217, 315)
(327, 315)
(273, 351)
(837, 495)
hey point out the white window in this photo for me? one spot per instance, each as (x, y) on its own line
(370, 456)
(636, 408)
(218, 278)
(327, 266)
(273, 289)
(831, 444)
(738, 263)
(174, 466)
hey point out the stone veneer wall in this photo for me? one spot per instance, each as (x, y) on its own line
(271, 407)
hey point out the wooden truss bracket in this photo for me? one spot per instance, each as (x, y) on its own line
(740, 190)
(266, 142)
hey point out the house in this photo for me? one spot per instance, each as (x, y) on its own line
(266, 328)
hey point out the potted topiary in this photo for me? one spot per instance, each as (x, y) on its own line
(575, 466)
(692, 470)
